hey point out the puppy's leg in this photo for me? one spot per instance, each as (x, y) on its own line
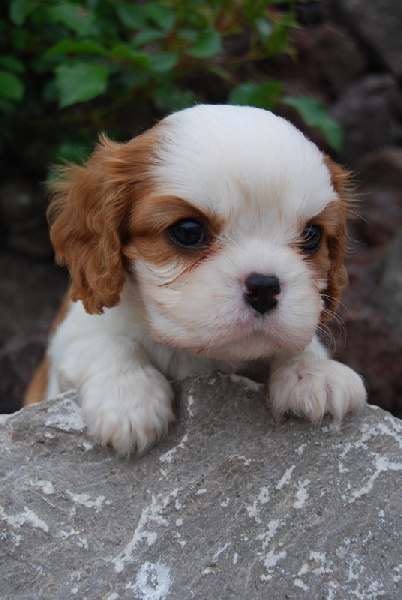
(125, 401)
(310, 384)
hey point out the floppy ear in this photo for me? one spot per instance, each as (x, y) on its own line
(337, 241)
(89, 218)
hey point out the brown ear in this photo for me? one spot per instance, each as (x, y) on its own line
(337, 239)
(89, 217)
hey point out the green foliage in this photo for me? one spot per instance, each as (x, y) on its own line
(71, 68)
(315, 114)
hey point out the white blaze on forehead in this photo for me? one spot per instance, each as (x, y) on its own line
(244, 164)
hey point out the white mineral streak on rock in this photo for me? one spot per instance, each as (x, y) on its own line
(301, 449)
(153, 581)
(190, 404)
(299, 583)
(27, 517)
(220, 551)
(286, 477)
(381, 464)
(247, 461)
(369, 432)
(398, 573)
(267, 536)
(168, 456)
(302, 493)
(82, 543)
(46, 487)
(151, 514)
(270, 562)
(321, 564)
(360, 585)
(255, 509)
(211, 569)
(65, 415)
(68, 532)
(85, 500)
(87, 446)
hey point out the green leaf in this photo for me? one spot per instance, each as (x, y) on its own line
(206, 45)
(11, 86)
(76, 47)
(131, 16)
(80, 82)
(148, 35)
(170, 99)
(161, 15)
(130, 53)
(162, 63)
(19, 10)
(74, 17)
(262, 95)
(315, 114)
(6, 107)
(12, 64)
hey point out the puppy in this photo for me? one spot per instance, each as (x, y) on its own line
(215, 238)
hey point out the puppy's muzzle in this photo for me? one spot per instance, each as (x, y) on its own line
(261, 292)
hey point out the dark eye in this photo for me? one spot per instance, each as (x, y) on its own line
(312, 236)
(187, 233)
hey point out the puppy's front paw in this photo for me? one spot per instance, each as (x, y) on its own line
(311, 389)
(129, 410)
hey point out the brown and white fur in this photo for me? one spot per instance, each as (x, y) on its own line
(147, 308)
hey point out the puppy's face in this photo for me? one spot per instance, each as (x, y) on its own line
(231, 223)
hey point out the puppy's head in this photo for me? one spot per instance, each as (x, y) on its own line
(231, 223)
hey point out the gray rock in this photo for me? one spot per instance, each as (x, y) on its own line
(340, 57)
(370, 112)
(380, 196)
(229, 506)
(390, 278)
(378, 23)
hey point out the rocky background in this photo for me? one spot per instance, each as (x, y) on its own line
(349, 56)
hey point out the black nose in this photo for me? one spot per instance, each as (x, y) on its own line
(261, 292)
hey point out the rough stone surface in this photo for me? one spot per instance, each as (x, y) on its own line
(370, 112)
(380, 196)
(340, 57)
(229, 506)
(378, 23)
(390, 278)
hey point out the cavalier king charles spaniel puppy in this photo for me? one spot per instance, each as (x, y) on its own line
(215, 238)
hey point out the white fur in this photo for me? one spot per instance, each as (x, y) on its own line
(265, 180)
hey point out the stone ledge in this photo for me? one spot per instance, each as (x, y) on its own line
(229, 506)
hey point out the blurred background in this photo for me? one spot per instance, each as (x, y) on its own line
(69, 70)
